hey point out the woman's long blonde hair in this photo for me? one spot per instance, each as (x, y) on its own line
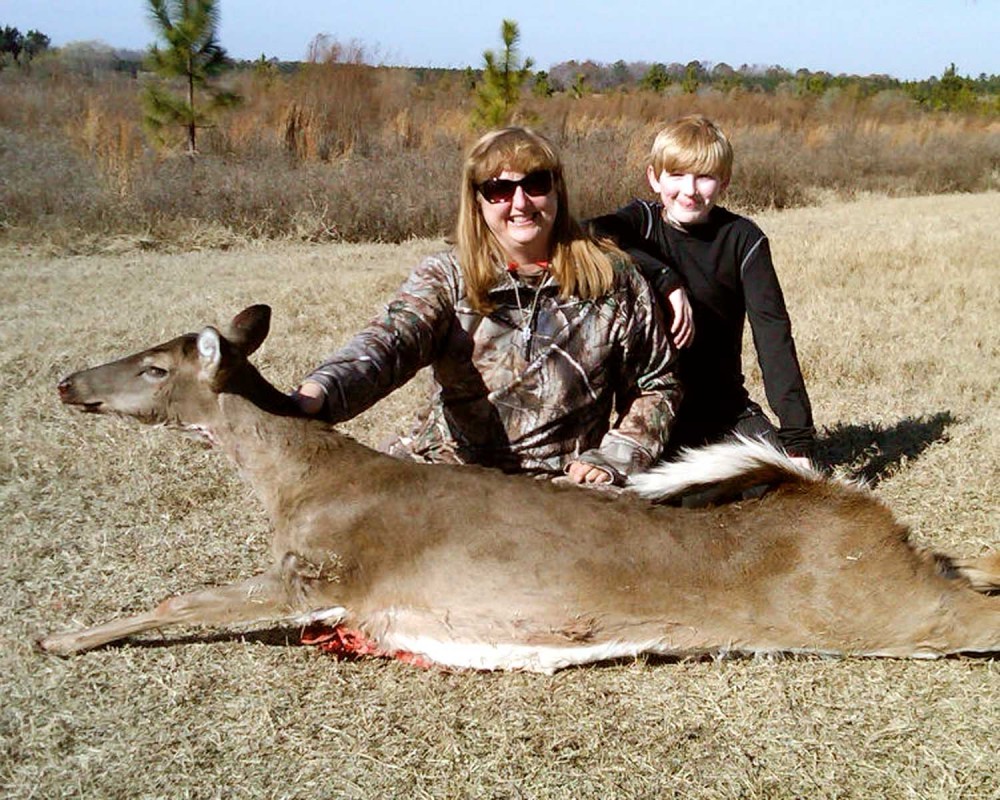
(582, 267)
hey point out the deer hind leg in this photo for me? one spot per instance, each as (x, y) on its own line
(974, 623)
(264, 597)
(943, 620)
(983, 573)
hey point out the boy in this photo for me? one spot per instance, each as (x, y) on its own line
(717, 274)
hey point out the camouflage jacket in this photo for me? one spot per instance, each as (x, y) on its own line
(531, 386)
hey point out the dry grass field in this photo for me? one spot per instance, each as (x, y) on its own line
(896, 307)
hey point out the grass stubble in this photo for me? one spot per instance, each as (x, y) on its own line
(896, 307)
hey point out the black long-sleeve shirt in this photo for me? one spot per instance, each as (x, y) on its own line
(725, 265)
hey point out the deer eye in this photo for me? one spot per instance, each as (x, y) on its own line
(153, 373)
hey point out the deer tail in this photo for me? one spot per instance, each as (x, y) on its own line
(729, 467)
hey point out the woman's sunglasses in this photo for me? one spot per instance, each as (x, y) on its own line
(501, 190)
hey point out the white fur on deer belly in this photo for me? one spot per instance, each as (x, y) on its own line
(509, 656)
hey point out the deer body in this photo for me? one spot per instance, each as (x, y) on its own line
(472, 568)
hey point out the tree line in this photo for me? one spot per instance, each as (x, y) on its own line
(20, 48)
(947, 92)
(191, 52)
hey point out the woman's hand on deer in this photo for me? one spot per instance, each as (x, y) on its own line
(310, 397)
(581, 472)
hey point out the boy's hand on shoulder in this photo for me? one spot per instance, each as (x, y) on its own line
(681, 318)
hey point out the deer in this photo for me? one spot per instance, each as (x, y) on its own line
(466, 567)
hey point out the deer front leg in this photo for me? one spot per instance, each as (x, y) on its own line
(264, 597)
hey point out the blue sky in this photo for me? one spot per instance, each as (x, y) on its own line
(913, 39)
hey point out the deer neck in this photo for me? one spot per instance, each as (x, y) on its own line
(280, 453)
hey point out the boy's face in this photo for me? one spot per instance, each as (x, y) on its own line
(687, 198)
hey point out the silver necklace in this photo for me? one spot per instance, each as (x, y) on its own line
(526, 320)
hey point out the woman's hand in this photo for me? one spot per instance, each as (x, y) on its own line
(682, 318)
(579, 472)
(310, 397)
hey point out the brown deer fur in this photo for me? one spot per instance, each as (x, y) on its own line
(469, 567)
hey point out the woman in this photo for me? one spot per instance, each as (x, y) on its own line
(535, 334)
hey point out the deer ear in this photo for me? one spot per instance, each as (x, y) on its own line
(249, 328)
(210, 351)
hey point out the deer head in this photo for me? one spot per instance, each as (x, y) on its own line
(174, 383)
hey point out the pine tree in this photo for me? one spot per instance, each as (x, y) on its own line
(192, 53)
(690, 83)
(499, 91)
(656, 79)
(541, 86)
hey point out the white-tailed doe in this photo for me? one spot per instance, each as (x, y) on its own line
(469, 567)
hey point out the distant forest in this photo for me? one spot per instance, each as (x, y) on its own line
(97, 143)
(949, 91)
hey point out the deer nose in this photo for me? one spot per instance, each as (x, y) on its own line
(65, 389)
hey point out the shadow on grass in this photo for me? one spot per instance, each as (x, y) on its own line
(871, 452)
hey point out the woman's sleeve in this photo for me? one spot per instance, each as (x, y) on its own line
(648, 395)
(395, 345)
